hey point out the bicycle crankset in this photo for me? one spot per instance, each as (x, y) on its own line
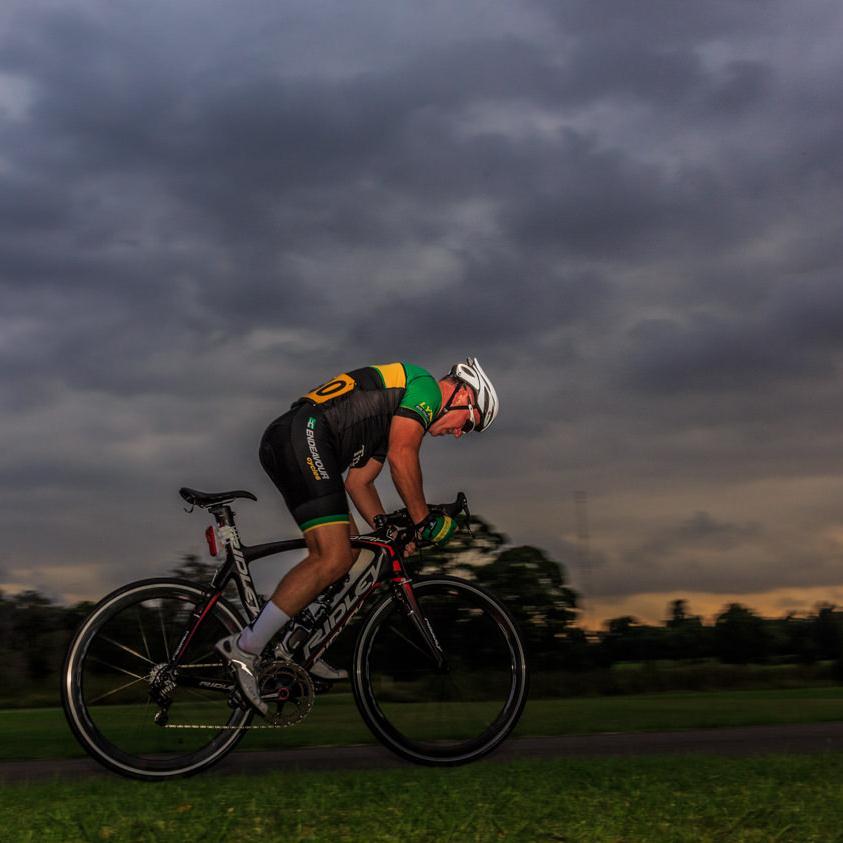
(288, 687)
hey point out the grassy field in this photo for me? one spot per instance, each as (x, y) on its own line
(43, 732)
(665, 799)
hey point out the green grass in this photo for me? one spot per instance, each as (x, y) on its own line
(43, 732)
(682, 710)
(665, 799)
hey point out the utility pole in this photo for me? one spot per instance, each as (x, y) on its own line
(583, 546)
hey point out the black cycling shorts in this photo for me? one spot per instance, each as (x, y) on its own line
(297, 451)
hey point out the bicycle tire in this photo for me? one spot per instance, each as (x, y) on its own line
(115, 725)
(441, 717)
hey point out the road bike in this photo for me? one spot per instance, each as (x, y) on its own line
(438, 671)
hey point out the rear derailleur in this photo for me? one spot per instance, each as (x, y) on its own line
(162, 685)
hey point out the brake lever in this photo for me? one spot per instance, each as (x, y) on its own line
(462, 501)
(461, 504)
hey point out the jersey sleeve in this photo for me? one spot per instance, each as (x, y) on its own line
(422, 396)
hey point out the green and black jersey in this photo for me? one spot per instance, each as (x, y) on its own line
(344, 422)
(358, 406)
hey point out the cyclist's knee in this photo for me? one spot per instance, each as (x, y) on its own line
(331, 563)
(330, 552)
(338, 563)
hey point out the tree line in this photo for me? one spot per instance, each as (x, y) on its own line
(535, 589)
(35, 631)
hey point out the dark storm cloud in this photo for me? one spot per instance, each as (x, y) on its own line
(288, 172)
(656, 26)
(700, 533)
(629, 212)
(497, 296)
(796, 336)
(281, 152)
(276, 151)
(708, 353)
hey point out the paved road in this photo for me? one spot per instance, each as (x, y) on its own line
(749, 740)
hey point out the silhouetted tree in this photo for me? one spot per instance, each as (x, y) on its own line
(526, 579)
(740, 635)
(626, 639)
(828, 632)
(678, 614)
(686, 637)
(533, 587)
(465, 552)
(197, 570)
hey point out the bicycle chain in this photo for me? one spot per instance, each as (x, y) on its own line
(272, 671)
(226, 727)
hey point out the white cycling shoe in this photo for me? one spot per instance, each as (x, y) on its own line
(245, 671)
(321, 669)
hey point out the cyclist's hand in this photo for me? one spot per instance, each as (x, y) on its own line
(437, 528)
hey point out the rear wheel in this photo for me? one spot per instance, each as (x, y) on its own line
(441, 715)
(118, 654)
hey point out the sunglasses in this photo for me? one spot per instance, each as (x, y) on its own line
(469, 425)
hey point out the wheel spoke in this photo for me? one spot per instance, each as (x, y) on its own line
(408, 640)
(118, 650)
(143, 634)
(163, 632)
(115, 667)
(115, 691)
(127, 649)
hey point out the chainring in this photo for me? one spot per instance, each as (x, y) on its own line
(288, 687)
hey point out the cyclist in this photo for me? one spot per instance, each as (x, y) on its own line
(357, 421)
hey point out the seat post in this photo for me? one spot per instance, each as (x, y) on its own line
(224, 515)
(227, 527)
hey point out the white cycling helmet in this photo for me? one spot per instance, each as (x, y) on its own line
(472, 374)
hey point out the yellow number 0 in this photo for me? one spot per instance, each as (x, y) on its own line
(331, 389)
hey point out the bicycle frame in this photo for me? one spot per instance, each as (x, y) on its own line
(365, 577)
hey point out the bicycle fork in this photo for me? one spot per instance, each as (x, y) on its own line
(403, 589)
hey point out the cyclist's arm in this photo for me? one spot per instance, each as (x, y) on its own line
(360, 485)
(405, 438)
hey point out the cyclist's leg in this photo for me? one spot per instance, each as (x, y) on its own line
(297, 453)
(329, 558)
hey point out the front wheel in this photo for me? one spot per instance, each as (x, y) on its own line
(118, 655)
(449, 714)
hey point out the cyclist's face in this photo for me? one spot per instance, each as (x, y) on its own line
(453, 422)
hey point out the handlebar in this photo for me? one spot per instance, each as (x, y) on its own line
(402, 526)
(460, 505)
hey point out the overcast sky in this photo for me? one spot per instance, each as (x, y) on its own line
(629, 212)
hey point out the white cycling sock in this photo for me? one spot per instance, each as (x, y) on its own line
(257, 634)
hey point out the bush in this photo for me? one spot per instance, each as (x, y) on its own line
(654, 677)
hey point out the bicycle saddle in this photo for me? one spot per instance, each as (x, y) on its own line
(205, 499)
